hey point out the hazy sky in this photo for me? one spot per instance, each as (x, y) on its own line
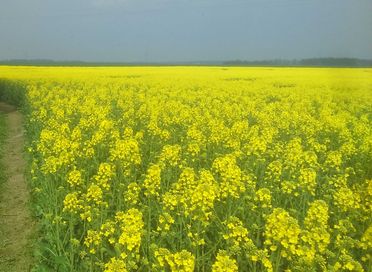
(184, 30)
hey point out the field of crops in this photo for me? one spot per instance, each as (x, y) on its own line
(200, 168)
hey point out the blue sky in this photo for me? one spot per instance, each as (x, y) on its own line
(184, 30)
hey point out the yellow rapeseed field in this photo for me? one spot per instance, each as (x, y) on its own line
(200, 168)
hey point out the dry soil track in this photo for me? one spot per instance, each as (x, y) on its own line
(16, 223)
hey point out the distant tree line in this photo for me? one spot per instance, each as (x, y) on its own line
(309, 62)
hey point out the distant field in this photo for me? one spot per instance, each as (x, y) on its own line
(199, 168)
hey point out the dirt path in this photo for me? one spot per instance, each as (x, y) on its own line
(16, 224)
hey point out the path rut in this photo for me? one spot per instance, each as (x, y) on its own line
(16, 223)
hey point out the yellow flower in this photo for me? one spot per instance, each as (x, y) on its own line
(153, 180)
(231, 183)
(333, 160)
(202, 197)
(74, 178)
(115, 265)
(170, 154)
(127, 152)
(131, 195)
(282, 230)
(106, 172)
(224, 263)
(307, 180)
(165, 222)
(71, 203)
(263, 197)
(182, 261)
(107, 230)
(316, 225)
(346, 199)
(237, 234)
(92, 240)
(131, 225)
(94, 194)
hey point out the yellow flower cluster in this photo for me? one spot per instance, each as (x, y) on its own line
(203, 196)
(152, 181)
(170, 155)
(315, 236)
(346, 199)
(127, 153)
(94, 194)
(115, 265)
(131, 225)
(74, 178)
(71, 203)
(282, 233)
(165, 222)
(224, 263)
(307, 180)
(195, 196)
(366, 244)
(231, 184)
(182, 261)
(131, 195)
(104, 175)
(92, 240)
(263, 197)
(237, 234)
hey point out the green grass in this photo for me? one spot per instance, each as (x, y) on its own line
(12, 92)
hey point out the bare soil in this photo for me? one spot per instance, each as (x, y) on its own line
(16, 222)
